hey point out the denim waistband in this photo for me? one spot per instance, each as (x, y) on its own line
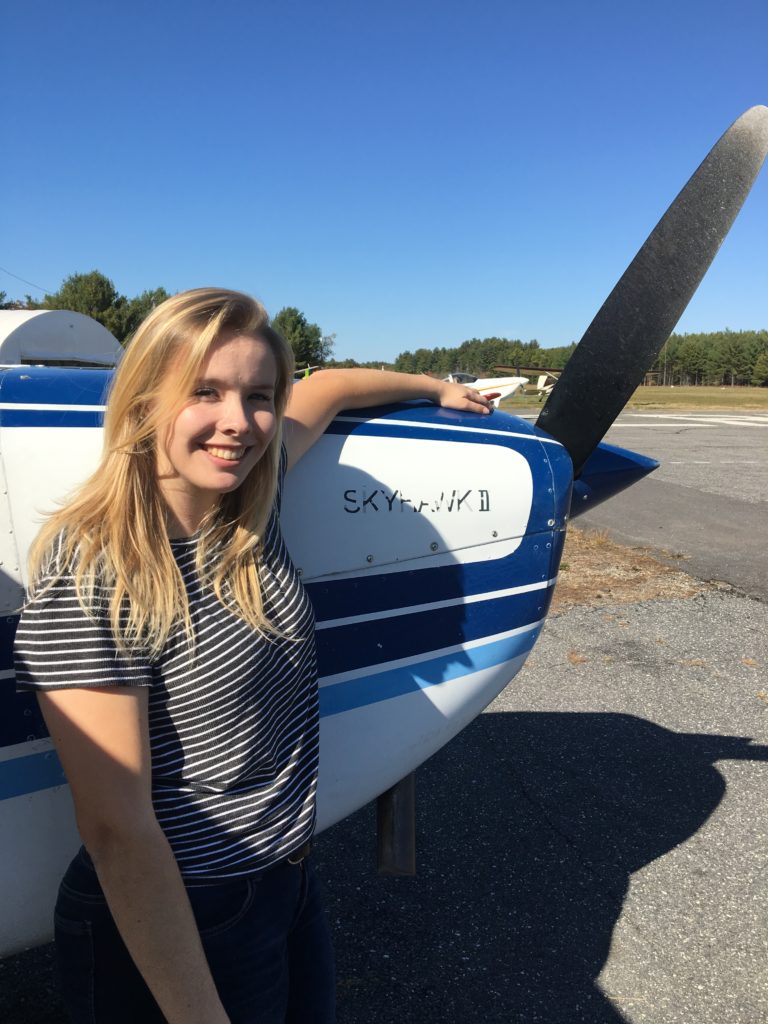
(83, 859)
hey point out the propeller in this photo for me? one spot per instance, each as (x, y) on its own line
(639, 315)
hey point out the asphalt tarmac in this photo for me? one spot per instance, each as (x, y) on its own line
(592, 849)
(707, 503)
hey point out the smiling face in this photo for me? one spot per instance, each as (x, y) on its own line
(221, 433)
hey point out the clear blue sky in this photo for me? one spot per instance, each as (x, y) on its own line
(406, 173)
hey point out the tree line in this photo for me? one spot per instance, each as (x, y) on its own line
(720, 358)
(715, 358)
(480, 356)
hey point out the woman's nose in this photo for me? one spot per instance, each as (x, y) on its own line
(235, 418)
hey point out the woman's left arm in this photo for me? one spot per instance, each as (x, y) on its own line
(314, 402)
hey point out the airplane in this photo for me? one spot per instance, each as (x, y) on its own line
(545, 384)
(429, 540)
(495, 388)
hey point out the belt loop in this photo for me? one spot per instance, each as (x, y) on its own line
(299, 855)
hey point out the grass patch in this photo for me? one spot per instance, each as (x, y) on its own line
(521, 403)
(702, 399)
(755, 399)
(596, 570)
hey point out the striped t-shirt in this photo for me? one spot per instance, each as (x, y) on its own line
(233, 726)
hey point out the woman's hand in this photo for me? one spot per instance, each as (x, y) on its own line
(463, 398)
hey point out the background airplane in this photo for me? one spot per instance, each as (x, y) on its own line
(495, 388)
(545, 384)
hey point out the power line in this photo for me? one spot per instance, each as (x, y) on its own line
(25, 281)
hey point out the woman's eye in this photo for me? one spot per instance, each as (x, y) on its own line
(260, 396)
(204, 393)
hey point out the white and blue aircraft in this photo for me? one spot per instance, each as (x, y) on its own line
(428, 541)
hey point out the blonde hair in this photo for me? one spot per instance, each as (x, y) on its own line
(113, 531)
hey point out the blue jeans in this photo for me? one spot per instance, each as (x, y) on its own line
(265, 937)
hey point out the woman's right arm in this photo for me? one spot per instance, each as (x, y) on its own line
(101, 736)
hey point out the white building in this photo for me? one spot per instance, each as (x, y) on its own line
(55, 337)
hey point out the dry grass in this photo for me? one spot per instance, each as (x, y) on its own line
(702, 399)
(672, 399)
(595, 570)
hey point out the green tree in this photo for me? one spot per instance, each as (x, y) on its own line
(135, 309)
(760, 370)
(310, 346)
(92, 294)
(6, 303)
(481, 356)
(559, 356)
(757, 345)
(731, 357)
(691, 356)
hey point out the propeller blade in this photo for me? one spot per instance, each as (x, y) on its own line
(639, 315)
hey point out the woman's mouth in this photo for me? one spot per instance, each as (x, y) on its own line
(229, 454)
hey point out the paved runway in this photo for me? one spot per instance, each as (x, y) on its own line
(715, 453)
(592, 849)
(707, 502)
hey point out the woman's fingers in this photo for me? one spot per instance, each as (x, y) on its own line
(459, 396)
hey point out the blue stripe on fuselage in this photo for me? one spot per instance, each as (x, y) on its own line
(30, 774)
(34, 772)
(340, 648)
(357, 693)
(50, 418)
(362, 644)
(372, 592)
(40, 385)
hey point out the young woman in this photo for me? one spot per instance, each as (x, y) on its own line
(172, 644)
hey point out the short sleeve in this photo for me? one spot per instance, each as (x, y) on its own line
(58, 645)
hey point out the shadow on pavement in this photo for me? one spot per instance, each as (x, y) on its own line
(530, 825)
